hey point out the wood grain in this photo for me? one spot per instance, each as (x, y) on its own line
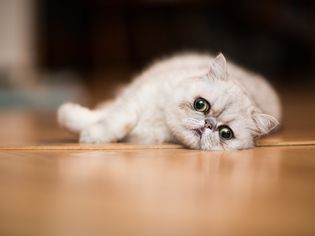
(158, 191)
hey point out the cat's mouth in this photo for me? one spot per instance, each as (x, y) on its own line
(199, 132)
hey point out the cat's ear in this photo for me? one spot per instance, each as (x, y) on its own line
(264, 123)
(217, 68)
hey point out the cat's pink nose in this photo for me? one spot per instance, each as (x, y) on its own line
(209, 124)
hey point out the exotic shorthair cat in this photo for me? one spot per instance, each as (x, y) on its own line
(193, 99)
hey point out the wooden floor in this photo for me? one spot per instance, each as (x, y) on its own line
(49, 185)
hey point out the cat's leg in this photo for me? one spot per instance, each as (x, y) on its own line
(114, 126)
(76, 118)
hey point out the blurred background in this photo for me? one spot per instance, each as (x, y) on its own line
(52, 51)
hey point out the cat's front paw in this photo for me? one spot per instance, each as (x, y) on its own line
(95, 134)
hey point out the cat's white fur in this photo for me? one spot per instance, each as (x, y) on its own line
(157, 107)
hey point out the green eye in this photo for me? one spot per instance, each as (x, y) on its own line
(225, 132)
(201, 105)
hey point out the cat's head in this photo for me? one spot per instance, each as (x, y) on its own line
(212, 112)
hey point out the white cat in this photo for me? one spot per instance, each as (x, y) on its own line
(192, 99)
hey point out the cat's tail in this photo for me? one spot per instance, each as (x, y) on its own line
(75, 118)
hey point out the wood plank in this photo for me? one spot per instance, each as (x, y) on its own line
(158, 191)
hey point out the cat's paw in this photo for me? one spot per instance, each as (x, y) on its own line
(95, 134)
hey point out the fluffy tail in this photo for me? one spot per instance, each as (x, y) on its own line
(75, 118)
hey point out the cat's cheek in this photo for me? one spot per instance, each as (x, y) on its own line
(189, 139)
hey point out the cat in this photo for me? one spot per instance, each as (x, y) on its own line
(193, 99)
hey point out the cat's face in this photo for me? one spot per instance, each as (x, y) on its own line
(212, 112)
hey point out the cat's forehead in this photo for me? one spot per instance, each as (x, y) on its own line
(220, 94)
(224, 90)
(226, 99)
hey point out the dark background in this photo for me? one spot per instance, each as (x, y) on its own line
(275, 38)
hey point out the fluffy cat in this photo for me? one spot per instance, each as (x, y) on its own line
(193, 99)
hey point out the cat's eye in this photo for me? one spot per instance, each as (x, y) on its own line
(225, 132)
(201, 105)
